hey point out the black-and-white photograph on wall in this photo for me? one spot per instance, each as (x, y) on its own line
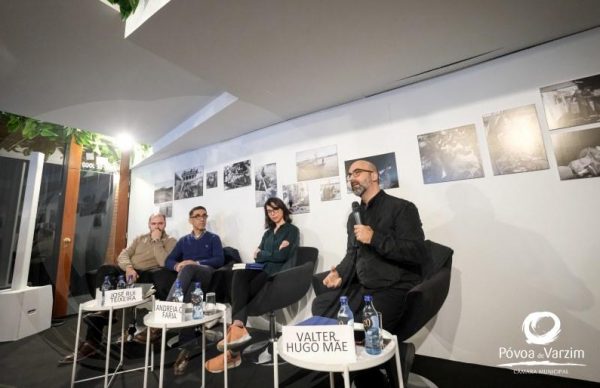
(265, 183)
(577, 153)
(515, 140)
(330, 190)
(317, 163)
(166, 209)
(237, 175)
(386, 167)
(212, 180)
(295, 196)
(572, 103)
(189, 183)
(450, 155)
(163, 192)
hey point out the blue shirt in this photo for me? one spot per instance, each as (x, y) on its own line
(205, 250)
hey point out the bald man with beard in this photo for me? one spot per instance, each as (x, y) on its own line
(385, 257)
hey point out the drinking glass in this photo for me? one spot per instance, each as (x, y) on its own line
(210, 305)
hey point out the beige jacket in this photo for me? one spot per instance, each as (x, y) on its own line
(144, 254)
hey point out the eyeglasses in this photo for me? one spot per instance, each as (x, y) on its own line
(273, 211)
(356, 173)
(200, 216)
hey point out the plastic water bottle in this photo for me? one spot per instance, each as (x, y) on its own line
(130, 281)
(178, 293)
(197, 297)
(121, 283)
(106, 286)
(372, 327)
(345, 316)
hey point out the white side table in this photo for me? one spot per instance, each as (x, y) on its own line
(93, 306)
(363, 361)
(151, 323)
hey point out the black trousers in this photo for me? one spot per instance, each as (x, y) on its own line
(162, 279)
(188, 276)
(389, 302)
(246, 284)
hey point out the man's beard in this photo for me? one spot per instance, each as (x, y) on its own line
(358, 189)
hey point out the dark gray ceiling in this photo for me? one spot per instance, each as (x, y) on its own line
(231, 67)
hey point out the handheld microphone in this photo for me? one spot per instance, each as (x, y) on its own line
(356, 213)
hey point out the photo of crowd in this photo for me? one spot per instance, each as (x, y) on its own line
(237, 175)
(189, 183)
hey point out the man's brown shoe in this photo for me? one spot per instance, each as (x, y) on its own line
(182, 362)
(85, 350)
(155, 334)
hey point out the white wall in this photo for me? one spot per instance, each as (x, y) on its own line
(523, 242)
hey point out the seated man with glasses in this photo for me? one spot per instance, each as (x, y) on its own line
(195, 258)
(385, 257)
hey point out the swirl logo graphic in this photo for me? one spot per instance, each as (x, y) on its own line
(531, 328)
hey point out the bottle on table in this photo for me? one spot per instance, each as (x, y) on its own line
(121, 283)
(106, 286)
(345, 315)
(178, 293)
(197, 297)
(372, 327)
(130, 281)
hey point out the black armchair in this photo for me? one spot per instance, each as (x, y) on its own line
(282, 290)
(423, 301)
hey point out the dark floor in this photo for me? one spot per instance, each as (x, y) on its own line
(32, 362)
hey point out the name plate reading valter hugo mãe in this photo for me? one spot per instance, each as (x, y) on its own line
(118, 297)
(169, 312)
(331, 344)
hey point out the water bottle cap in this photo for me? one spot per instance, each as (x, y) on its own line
(197, 284)
(368, 298)
(343, 299)
(178, 283)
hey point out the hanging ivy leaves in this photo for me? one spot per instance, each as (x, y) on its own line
(26, 135)
(126, 7)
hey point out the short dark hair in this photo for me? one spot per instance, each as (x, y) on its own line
(197, 208)
(276, 203)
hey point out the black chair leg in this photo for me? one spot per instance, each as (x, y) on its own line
(266, 346)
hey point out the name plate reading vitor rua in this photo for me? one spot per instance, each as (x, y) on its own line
(329, 344)
(119, 297)
(169, 312)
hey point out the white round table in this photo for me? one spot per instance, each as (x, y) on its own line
(363, 361)
(150, 322)
(94, 306)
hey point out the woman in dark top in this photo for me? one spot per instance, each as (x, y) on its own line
(277, 251)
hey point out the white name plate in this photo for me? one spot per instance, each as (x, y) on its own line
(328, 344)
(169, 312)
(119, 297)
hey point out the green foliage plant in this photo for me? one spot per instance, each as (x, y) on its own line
(126, 7)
